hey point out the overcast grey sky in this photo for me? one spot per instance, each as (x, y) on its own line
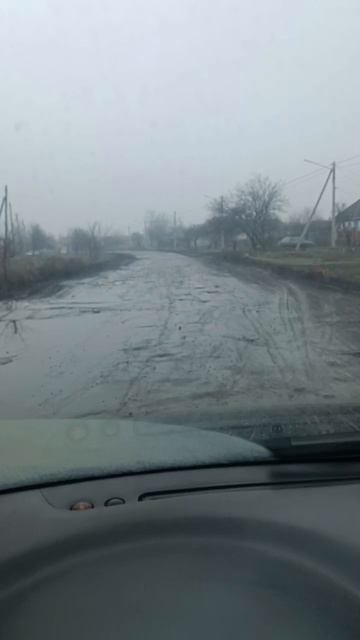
(113, 107)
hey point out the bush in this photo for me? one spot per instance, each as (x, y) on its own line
(29, 271)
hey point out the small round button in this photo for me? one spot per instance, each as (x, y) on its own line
(82, 505)
(113, 502)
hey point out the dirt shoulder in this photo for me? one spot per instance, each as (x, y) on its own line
(28, 275)
(320, 267)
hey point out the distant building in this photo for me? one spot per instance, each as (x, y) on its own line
(348, 225)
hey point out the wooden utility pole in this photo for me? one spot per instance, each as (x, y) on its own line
(2, 206)
(6, 233)
(222, 212)
(333, 207)
(306, 228)
(217, 207)
(12, 231)
(175, 232)
(332, 173)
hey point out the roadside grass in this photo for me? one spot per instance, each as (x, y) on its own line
(26, 274)
(330, 265)
(323, 265)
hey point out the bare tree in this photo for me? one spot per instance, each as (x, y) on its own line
(255, 209)
(78, 240)
(192, 234)
(86, 241)
(137, 240)
(219, 220)
(94, 231)
(39, 239)
(158, 230)
(20, 236)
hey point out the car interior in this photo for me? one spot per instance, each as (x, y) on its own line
(253, 551)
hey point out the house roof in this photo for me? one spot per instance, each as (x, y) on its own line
(350, 213)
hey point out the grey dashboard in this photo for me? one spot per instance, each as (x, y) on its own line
(257, 551)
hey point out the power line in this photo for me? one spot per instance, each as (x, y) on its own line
(348, 159)
(349, 169)
(353, 174)
(303, 177)
(348, 166)
(344, 191)
(331, 174)
(319, 164)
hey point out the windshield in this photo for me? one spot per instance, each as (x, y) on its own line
(166, 255)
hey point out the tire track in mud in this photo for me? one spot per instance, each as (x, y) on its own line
(212, 316)
(293, 296)
(132, 348)
(184, 364)
(291, 302)
(259, 283)
(174, 294)
(164, 344)
(103, 282)
(292, 357)
(272, 348)
(290, 306)
(235, 357)
(313, 337)
(131, 387)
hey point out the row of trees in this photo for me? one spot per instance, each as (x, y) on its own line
(17, 239)
(22, 239)
(249, 215)
(251, 210)
(85, 241)
(89, 241)
(33, 239)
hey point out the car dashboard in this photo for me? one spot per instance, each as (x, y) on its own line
(253, 551)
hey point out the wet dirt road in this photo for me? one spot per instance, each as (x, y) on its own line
(175, 339)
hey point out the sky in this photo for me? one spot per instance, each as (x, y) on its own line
(112, 108)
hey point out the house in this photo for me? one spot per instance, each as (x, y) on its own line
(348, 225)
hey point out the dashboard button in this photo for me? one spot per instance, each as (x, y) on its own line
(113, 502)
(81, 505)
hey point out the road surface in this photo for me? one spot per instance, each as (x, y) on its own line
(171, 338)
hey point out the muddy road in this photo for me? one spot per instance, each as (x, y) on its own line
(173, 339)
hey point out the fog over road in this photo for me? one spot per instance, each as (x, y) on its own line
(175, 339)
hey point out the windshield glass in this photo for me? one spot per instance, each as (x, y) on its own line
(166, 255)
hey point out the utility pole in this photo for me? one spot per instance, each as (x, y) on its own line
(218, 207)
(333, 207)
(332, 168)
(175, 232)
(306, 228)
(12, 231)
(5, 248)
(2, 206)
(145, 234)
(222, 212)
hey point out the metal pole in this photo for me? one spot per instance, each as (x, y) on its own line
(222, 223)
(5, 248)
(12, 231)
(175, 232)
(306, 228)
(2, 205)
(333, 208)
